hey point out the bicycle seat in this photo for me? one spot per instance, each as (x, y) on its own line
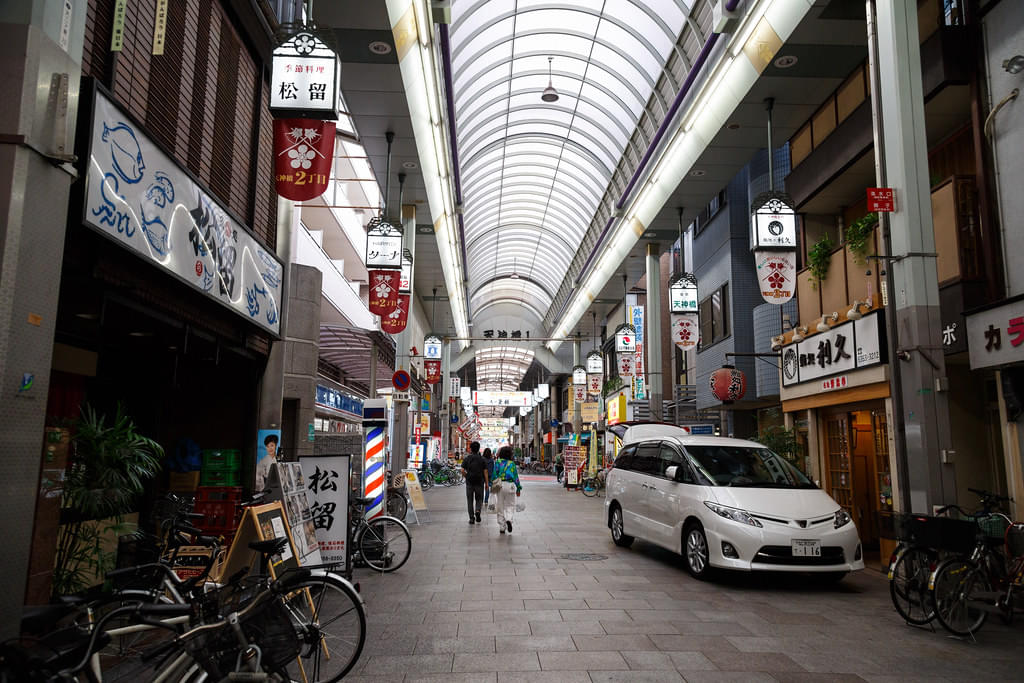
(362, 501)
(273, 546)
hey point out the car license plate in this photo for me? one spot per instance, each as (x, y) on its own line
(803, 548)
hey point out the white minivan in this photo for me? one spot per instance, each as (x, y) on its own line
(725, 503)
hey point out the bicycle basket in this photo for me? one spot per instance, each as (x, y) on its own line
(940, 533)
(268, 625)
(993, 526)
(1015, 540)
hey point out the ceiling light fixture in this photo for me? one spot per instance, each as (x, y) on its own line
(379, 47)
(409, 164)
(698, 173)
(549, 94)
(785, 61)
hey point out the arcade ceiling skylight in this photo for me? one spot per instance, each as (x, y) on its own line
(533, 172)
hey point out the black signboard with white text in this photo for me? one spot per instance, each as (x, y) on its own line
(854, 345)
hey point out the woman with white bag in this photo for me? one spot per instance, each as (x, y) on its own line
(506, 487)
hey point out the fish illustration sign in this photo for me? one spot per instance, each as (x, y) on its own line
(138, 197)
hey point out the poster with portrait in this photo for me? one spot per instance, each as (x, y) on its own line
(287, 485)
(267, 441)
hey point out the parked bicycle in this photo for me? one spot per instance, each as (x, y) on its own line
(966, 589)
(382, 543)
(593, 484)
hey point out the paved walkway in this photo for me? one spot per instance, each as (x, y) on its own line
(472, 605)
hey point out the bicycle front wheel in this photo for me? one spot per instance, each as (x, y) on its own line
(398, 506)
(957, 588)
(385, 544)
(329, 617)
(908, 586)
(589, 486)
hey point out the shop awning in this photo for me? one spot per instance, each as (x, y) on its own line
(349, 349)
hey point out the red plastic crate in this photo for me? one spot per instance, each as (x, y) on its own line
(217, 514)
(218, 494)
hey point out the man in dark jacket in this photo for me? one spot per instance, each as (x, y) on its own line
(474, 467)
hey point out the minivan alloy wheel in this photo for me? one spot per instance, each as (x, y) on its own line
(696, 551)
(618, 536)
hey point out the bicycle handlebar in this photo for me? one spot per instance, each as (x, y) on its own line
(989, 495)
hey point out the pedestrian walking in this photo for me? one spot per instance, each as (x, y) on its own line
(489, 462)
(475, 470)
(508, 488)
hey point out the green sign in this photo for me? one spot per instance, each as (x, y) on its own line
(312, 432)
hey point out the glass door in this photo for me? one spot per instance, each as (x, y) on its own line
(837, 458)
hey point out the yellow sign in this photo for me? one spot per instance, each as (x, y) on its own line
(425, 425)
(412, 483)
(617, 410)
(589, 412)
(117, 30)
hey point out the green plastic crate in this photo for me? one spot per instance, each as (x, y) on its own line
(222, 460)
(220, 478)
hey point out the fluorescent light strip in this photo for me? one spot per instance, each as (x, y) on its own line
(723, 90)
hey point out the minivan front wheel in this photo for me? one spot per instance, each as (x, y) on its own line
(620, 538)
(695, 551)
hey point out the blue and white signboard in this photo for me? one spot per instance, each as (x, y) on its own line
(334, 399)
(137, 196)
(432, 347)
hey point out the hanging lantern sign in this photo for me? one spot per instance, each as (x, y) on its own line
(432, 345)
(685, 331)
(303, 152)
(383, 299)
(579, 393)
(773, 222)
(594, 384)
(432, 370)
(776, 274)
(383, 245)
(543, 391)
(579, 375)
(728, 384)
(305, 77)
(595, 363)
(625, 362)
(395, 321)
(625, 338)
(405, 283)
(682, 294)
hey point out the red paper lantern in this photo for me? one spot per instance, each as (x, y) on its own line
(395, 321)
(728, 384)
(383, 299)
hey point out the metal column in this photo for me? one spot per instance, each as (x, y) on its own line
(652, 334)
(916, 361)
(576, 426)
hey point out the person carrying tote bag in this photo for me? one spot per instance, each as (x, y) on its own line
(506, 475)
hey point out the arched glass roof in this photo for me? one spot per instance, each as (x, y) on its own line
(501, 367)
(533, 172)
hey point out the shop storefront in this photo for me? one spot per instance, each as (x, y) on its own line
(336, 412)
(837, 383)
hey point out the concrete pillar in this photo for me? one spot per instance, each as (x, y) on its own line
(652, 334)
(271, 384)
(37, 133)
(403, 341)
(446, 422)
(901, 146)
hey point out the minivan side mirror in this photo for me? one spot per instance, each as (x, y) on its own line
(672, 472)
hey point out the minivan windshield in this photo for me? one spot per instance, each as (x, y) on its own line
(746, 466)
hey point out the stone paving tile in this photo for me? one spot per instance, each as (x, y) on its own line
(713, 628)
(728, 677)
(554, 628)
(612, 643)
(489, 677)
(649, 661)
(401, 664)
(544, 677)
(691, 661)
(762, 661)
(495, 628)
(434, 645)
(582, 661)
(616, 628)
(796, 677)
(503, 605)
(459, 617)
(599, 614)
(536, 643)
(406, 630)
(662, 615)
(618, 604)
(531, 615)
(635, 676)
(692, 643)
(503, 661)
(509, 594)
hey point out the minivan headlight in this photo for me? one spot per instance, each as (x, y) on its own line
(842, 518)
(736, 515)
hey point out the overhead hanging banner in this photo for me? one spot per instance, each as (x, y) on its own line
(595, 363)
(773, 222)
(395, 321)
(502, 398)
(383, 245)
(594, 384)
(432, 369)
(141, 199)
(626, 368)
(303, 152)
(432, 345)
(579, 392)
(776, 275)
(625, 338)
(383, 287)
(685, 330)
(682, 294)
(579, 375)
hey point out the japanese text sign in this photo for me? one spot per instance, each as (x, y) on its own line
(852, 345)
(304, 78)
(881, 200)
(774, 223)
(327, 481)
(996, 336)
(303, 152)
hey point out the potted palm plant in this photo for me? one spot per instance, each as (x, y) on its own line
(111, 465)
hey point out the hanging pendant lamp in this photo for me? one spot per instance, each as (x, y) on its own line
(549, 94)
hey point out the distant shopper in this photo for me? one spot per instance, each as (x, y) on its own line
(475, 469)
(506, 474)
(559, 467)
(489, 462)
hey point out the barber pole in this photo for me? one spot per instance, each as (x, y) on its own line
(373, 472)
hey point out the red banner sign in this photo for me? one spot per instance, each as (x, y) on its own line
(383, 291)
(626, 361)
(776, 275)
(395, 321)
(432, 368)
(685, 331)
(303, 152)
